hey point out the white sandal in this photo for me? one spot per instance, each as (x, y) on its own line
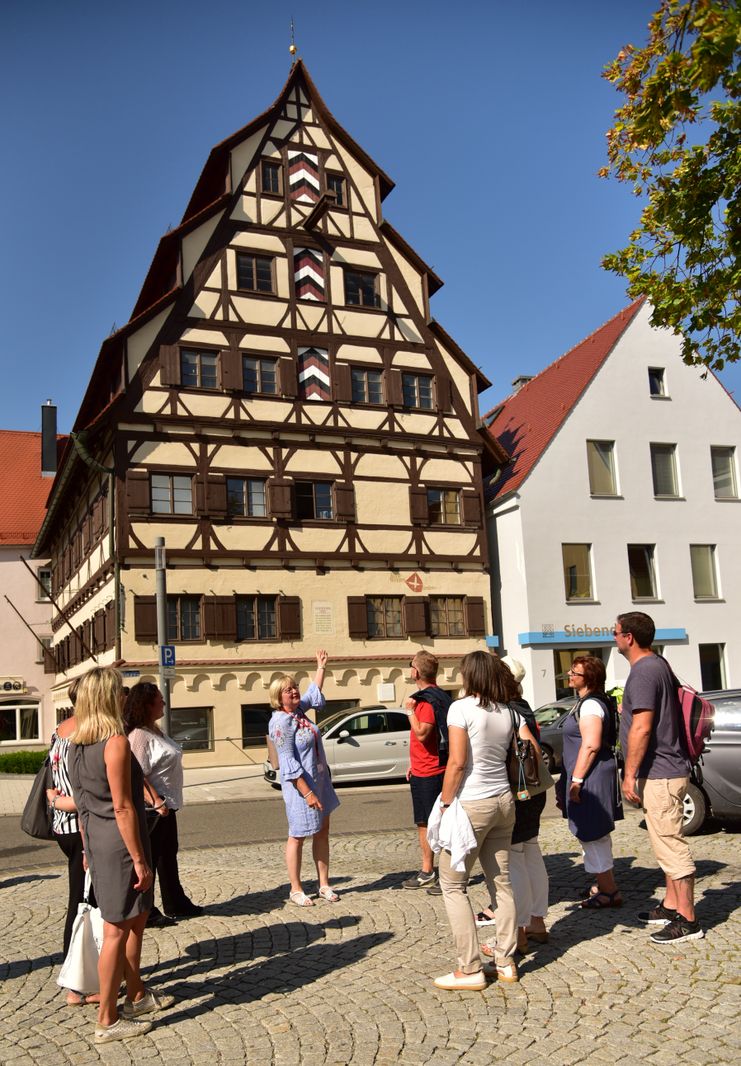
(300, 899)
(327, 894)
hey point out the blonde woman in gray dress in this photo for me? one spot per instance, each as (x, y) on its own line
(107, 786)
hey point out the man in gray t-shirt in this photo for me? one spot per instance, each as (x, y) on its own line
(657, 773)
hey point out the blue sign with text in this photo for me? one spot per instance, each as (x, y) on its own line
(167, 654)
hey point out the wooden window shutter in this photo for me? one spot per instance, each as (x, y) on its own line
(444, 392)
(138, 500)
(344, 501)
(289, 617)
(169, 364)
(287, 376)
(230, 362)
(216, 496)
(475, 620)
(416, 616)
(357, 617)
(50, 666)
(98, 516)
(280, 496)
(99, 631)
(471, 508)
(110, 624)
(394, 395)
(145, 619)
(418, 506)
(342, 384)
(219, 618)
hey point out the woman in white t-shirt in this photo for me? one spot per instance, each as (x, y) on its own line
(161, 760)
(479, 735)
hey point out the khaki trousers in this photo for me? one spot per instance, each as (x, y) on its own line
(662, 799)
(492, 821)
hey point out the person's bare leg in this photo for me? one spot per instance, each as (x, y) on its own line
(680, 896)
(428, 858)
(110, 969)
(320, 853)
(135, 989)
(294, 852)
(606, 883)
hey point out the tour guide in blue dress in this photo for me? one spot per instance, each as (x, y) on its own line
(304, 779)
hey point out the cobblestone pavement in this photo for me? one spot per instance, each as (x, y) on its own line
(259, 981)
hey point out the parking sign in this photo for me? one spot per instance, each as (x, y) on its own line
(167, 654)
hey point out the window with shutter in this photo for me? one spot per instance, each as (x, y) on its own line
(394, 392)
(289, 617)
(416, 616)
(341, 382)
(280, 496)
(137, 492)
(169, 364)
(219, 618)
(444, 392)
(110, 625)
(288, 376)
(216, 496)
(344, 501)
(418, 506)
(145, 619)
(471, 504)
(357, 617)
(475, 617)
(231, 370)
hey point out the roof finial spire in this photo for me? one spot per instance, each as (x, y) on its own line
(292, 46)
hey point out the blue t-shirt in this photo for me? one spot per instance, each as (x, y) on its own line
(651, 686)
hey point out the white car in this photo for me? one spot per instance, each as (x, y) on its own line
(367, 743)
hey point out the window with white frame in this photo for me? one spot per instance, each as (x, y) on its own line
(657, 382)
(642, 572)
(245, 496)
(664, 470)
(577, 572)
(19, 721)
(704, 571)
(723, 462)
(172, 494)
(712, 666)
(601, 464)
(43, 585)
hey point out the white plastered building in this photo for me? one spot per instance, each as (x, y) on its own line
(622, 494)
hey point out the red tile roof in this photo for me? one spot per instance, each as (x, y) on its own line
(528, 420)
(23, 491)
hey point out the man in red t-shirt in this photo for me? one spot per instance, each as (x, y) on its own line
(425, 773)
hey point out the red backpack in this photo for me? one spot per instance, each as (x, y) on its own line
(697, 718)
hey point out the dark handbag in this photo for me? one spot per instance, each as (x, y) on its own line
(36, 819)
(523, 768)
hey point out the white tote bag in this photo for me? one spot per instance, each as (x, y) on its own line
(80, 968)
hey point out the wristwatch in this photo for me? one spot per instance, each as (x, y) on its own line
(443, 805)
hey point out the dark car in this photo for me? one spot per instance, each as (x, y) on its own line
(550, 718)
(715, 785)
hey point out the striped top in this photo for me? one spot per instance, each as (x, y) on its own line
(64, 822)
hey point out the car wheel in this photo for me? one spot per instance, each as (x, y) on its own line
(549, 759)
(695, 810)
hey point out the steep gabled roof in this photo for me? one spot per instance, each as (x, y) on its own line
(528, 420)
(23, 491)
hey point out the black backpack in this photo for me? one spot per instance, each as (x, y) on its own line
(440, 701)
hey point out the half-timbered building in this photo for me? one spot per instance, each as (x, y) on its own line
(284, 411)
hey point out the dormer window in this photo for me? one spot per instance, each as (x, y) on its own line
(271, 178)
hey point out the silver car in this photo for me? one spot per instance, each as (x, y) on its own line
(367, 743)
(715, 786)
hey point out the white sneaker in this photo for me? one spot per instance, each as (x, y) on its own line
(467, 982)
(150, 1003)
(122, 1029)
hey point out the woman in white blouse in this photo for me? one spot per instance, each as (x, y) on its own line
(480, 728)
(161, 760)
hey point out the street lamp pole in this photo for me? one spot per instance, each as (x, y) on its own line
(161, 601)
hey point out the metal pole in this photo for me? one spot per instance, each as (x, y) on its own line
(161, 601)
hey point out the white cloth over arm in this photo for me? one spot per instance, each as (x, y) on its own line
(451, 829)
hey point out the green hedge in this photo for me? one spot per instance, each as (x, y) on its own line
(21, 762)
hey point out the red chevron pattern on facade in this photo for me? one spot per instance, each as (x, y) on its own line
(308, 274)
(313, 374)
(303, 176)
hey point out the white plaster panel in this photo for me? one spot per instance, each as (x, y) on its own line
(152, 401)
(450, 543)
(319, 138)
(317, 539)
(259, 242)
(282, 128)
(385, 466)
(411, 276)
(357, 323)
(269, 410)
(273, 213)
(139, 343)
(306, 461)
(411, 361)
(234, 457)
(245, 209)
(163, 453)
(358, 257)
(176, 534)
(408, 330)
(311, 315)
(261, 343)
(194, 243)
(387, 542)
(245, 538)
(386, 502)
(203, 336)
(364, 229)
(367, 418)
(205, 405)
(204, 305)
(242, 156)
(444, 470)
(354, 353)
(415, 423)
(266, 312)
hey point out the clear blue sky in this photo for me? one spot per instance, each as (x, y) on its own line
(489, 116)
